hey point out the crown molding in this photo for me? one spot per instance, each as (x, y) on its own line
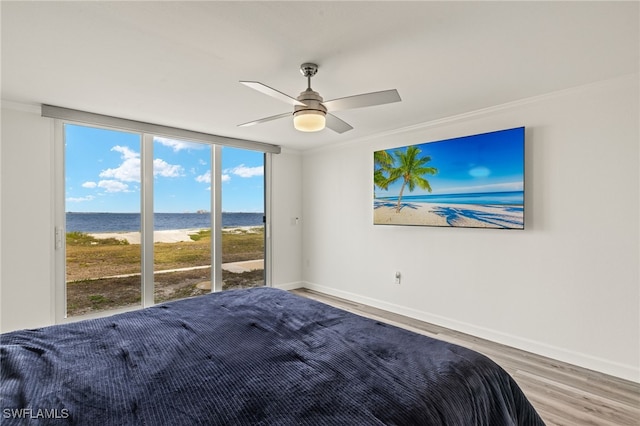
(632, 78)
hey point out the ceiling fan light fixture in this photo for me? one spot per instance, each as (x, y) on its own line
(309, 120)
(310, 110)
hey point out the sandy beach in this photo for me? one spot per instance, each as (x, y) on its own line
(169, 236)
(166, 236)
(461, 215)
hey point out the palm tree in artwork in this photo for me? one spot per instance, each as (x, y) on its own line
(411, 170)
(383, 164)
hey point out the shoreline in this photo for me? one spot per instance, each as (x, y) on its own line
(164, 236)
(449, 215)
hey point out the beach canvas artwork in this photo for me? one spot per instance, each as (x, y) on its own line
(472, 181)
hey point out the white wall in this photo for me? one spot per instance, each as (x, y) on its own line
(27, 217)
(26, 267)
(566, 287)
(286, 198)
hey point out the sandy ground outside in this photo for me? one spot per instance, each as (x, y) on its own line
(460, 215)
(169, 236)
(166, 236)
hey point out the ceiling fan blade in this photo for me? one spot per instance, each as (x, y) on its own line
(272, 92)
(337, 125)
(264, 120)
(364, 100)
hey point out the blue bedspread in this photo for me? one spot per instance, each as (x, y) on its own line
(249, 357)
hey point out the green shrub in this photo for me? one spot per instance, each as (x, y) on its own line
(76, 238)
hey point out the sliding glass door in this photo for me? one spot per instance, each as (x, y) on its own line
(102, 215)
(181, 219)
(243, 212)
(151, 219)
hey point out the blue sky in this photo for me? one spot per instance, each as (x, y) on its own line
(103, 174)
(489, 162)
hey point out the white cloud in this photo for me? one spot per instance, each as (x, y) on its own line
(113, 186)
(246, 172)
(89, 184)
(129, 170)
(204, 178)
(164, 169)
(178, 145)
(80, 199)
(126, 152)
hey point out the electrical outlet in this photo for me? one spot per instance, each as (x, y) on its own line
(398, 276)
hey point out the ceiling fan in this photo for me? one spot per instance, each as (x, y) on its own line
(311, 113)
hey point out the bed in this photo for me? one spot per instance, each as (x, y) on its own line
(258, 356)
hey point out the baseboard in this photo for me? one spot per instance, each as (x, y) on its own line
(627, 372)
(289, 286)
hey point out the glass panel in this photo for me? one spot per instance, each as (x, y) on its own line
(102, 205)
(182, 219)
(242, 218)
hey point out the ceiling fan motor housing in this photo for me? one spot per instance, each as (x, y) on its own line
(309, 117)
(312, 102)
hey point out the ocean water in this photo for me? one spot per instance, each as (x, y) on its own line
(127, 222)
(492, 198)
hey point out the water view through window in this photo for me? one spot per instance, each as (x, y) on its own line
(243, 239)
(103, 267)
(182, 224)
(103, 199)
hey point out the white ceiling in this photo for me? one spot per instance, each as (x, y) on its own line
(179, 63)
